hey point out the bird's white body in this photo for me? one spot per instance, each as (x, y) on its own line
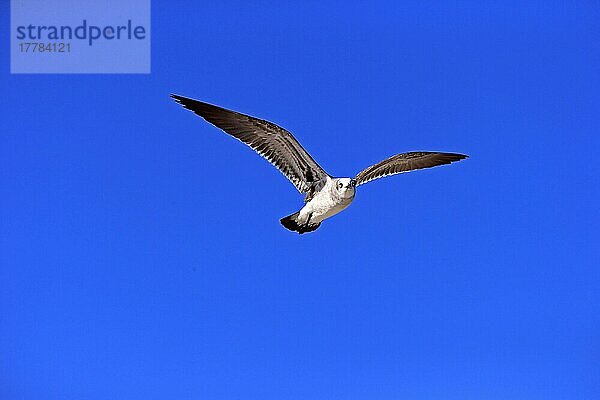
(335, 196)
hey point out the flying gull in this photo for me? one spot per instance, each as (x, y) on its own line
(325, 195)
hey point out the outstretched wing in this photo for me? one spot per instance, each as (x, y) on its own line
(272, 142)
(406, 162)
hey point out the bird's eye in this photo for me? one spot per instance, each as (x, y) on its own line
(340, 185)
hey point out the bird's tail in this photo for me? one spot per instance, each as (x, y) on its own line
(291, 223)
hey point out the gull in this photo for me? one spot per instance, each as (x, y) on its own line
(325, 195)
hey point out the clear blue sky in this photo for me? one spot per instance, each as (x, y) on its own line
(127, 274)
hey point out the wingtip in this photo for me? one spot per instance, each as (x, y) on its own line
(176, 97)
(189, 103)
(186, 102)
(458, 156)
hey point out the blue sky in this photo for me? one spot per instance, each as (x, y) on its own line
(126, 273)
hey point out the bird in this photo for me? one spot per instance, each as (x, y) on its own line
(325, 196)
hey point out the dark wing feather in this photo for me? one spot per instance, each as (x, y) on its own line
(272, 142)
(406, 162)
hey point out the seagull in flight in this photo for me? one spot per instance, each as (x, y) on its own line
(325, 195)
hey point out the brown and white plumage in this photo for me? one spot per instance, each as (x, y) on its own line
(406, 162)
(270, 141)
(325, 196)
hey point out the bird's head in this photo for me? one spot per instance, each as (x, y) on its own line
(345, 186)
